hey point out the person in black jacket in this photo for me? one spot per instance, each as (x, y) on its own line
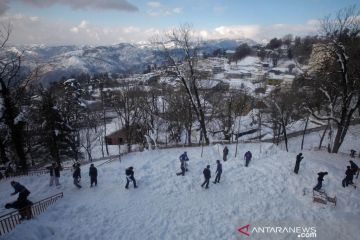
(247, 158)
(348, 176)
(77, 175)
(207, 176)
(54, 170)
(354, 169)
(23, 206)
(130, 177)
(183, 168)
(218, 171)
(225, 153)
(320, 179)
(299, 157)
(23, 192)
(93, 175)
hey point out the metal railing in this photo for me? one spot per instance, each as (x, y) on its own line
(9, 221)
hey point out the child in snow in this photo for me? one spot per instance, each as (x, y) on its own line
(184, 158)
(77, 175)
(23, 206)
(299, 157)
(320, 179)
(354, 169)
(247, 158)
(225, 153)
(183, 164)
(23, 192)
(207, 176)
(54, 174)
(348, 176)
(218, 171)
(130, 177)
(93, 175)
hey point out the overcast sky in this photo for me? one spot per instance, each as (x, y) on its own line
(103, 22)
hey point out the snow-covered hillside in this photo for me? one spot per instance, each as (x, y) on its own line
(166, 206)
(59, 61)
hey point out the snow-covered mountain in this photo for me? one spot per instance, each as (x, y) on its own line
(63, 61)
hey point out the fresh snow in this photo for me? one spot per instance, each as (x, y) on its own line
(166, 206)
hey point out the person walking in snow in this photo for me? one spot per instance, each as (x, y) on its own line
(348, 176)
(54, 170)
(23, 191)
(320, 180)
(225, 153)
(77, 175)
(247, 158)
(184, 158)
(183, 164)
(354, 169)
(207, 176)
(182, 167)
(129, 172)
(218, 172)
(299, 157)
(93, 175)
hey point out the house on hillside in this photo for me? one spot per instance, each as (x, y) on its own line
(217, 69)
(120, 136)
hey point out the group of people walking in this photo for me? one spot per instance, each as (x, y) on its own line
(184, 159)
(23, 204)
(77, 175)
(350, 172)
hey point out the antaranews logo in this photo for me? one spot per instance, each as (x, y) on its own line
(244, 230)
(301, 232)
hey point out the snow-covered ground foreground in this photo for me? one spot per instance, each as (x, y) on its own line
(166, 206)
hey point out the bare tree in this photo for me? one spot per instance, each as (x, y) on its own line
(181, 52)
(12, 87)
(335, 64)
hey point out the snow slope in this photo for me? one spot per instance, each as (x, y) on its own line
(166, 206)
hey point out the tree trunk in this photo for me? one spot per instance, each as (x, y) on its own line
(285, 137)
(3, 158)
(303, 136)
(16, 130)
(323, 136)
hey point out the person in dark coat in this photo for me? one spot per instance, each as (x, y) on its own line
(93, 175)
(320, 180)
(183, 165)
(77, 175)
(225, 153)
(130, 177)
(23, 206)
(354, 169)
(299, 157)
(184, 159)
(207, 176)
(247, 158)
(23, 192)
(348, 176)
(54, 170)
(218, 171)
